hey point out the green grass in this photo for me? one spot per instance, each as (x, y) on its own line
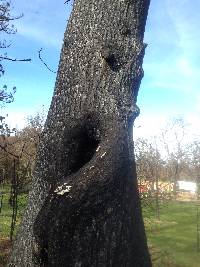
(5, 223)
(175, 233)
(6, 214)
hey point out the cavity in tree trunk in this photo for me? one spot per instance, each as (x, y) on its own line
(84, 207)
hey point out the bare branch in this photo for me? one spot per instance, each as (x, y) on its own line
(39, 53)
(4, 148)
(3, 44)
(4, 18)
(15, 59)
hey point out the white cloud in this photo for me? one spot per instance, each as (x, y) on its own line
(180, 75)
(185, 18)
(15, 119)
(171, 62)
(194, 125)
(43, 21)
(42, 35)
(148, 126)
(18, 117)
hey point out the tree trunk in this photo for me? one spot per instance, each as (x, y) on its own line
(84, 207)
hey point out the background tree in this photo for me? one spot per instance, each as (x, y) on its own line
(84, 208)
(150, 172)
(147, 158)
(193, 160)
(17, 159)
(6, 28)
(8, 160)
(6, 96)
(173, 138)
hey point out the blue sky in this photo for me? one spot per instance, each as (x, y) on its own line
(172, 70)
(43, 26)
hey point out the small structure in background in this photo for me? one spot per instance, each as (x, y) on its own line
(186, 190)
(187, 186)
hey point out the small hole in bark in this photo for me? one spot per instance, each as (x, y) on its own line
(112, 63)
(126, 31)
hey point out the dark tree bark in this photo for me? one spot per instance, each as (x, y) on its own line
(84, 208)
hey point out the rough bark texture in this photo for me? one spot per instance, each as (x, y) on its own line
(84, 207)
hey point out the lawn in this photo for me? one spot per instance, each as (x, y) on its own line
(5, 222)
(174, 235)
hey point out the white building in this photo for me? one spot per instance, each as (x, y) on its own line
(187, 186)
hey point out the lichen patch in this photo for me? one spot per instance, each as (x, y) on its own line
(61, 190)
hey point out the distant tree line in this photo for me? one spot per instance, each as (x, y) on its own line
(167, 157)
(17, 158)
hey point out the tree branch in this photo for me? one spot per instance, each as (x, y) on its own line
(4, 148)
(39, 53)
(15, 59)
(4, 18)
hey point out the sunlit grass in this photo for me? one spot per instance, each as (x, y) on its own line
(5, 223)
(6, 214)
(175, 233)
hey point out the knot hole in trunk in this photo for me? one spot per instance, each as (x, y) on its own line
(80, 144)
